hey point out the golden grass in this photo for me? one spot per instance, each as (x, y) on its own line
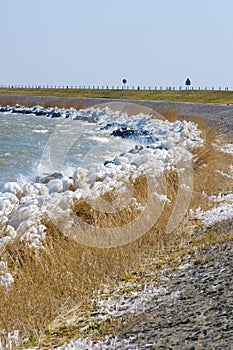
(207, 160)
(66, 273)
(168, 113)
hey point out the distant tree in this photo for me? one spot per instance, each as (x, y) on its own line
(188, 82)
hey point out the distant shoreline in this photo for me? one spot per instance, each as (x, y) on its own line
(212, 113)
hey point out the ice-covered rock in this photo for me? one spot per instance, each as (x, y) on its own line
(67, 183)
(24, 213)
(41, 188)
(55, 185)
(12, 187)
(80, 177)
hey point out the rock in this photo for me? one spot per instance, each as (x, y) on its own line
(46, 179)
(136, 149)
(55, 185)
(124, 132)
(79, 177)
(5, 109)
(41, 188)
(67, 184)
(12, 187)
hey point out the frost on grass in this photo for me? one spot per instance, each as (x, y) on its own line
(222, 210)
(6, 278)
(226, 148)
(107, 344)
(116, 306)
(11, 340)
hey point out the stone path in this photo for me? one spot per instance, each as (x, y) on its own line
(199, 312)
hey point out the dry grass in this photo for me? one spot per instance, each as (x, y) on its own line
(66, 273)
(168, 113)
(207, 160)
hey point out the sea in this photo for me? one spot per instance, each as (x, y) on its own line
(25, 139)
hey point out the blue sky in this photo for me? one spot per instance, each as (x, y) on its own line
(91, 42)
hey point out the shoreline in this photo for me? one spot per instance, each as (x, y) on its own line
(219, 115)
(138, 284)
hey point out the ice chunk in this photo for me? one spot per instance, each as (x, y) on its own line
(55, 185)
(12, 187)
(6, 280)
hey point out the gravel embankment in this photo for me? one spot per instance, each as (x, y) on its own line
(200, 313)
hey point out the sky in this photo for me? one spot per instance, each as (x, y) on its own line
(100, 42)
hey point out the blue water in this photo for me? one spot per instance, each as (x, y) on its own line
(23, 139)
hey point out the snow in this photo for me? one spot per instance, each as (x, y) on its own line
(12, 187)
(117, 305)
(12, 340)
(55, 185)
(107, 344)
(227, 148)
(222, 210)
(6, 278)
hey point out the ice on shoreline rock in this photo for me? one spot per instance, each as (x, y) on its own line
(55, 185)
(152, 147)
(12, 187)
